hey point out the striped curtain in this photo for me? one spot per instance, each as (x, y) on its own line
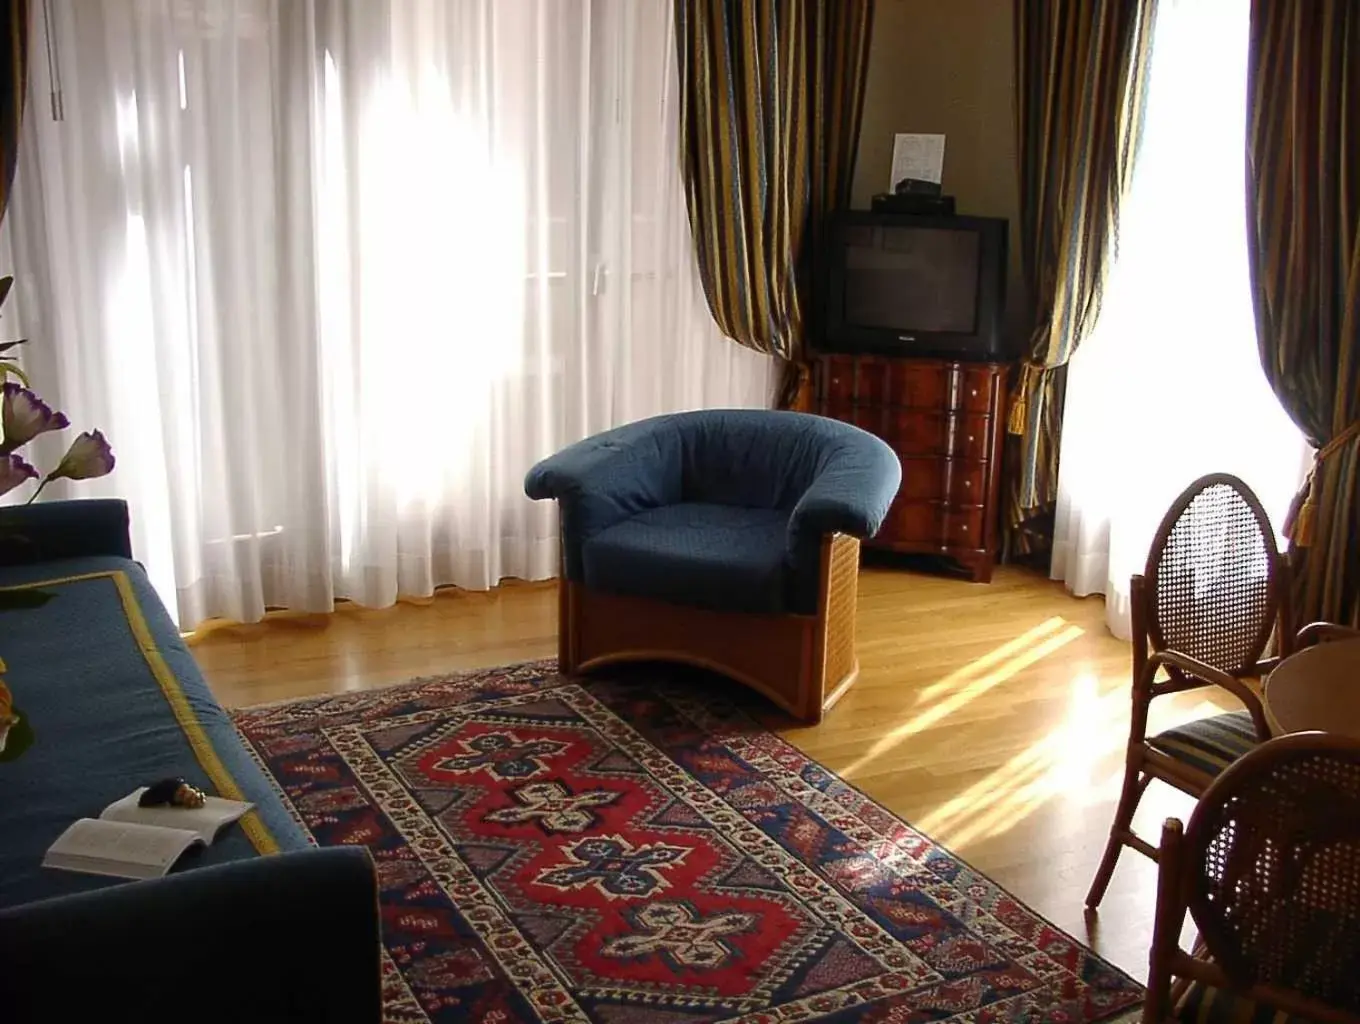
(14, 73)
(771, 94)
(1081, 76)
(1304, 236)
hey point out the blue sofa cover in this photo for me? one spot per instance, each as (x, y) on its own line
(720, 508)
(116, 700)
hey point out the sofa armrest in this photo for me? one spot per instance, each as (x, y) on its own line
(851, 495)
(293, 937)
(605, 479)
(64, 529)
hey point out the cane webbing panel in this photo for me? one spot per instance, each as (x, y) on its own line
(1211, 572)
(1277, 892)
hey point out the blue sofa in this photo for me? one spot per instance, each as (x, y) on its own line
(115, 700)
(727, 539)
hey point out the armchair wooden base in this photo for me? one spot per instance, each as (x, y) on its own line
(803, 663)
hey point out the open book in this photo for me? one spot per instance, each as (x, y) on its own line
(128, 841)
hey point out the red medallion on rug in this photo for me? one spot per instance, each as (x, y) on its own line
(632, 849)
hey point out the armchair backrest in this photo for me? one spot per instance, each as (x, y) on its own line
(755, 458)
(1212, 586)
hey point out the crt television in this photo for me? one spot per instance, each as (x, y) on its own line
(915, 285)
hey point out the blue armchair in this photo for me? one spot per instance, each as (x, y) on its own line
(725, 539)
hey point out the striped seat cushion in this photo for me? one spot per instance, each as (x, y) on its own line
(1209, 744)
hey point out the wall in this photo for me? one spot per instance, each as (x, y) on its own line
(946, 66)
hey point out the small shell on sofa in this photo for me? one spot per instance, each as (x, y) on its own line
(188, 796)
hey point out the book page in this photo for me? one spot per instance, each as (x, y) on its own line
(118, 848)
(206, 821)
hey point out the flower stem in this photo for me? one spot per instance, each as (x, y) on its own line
(34, 496)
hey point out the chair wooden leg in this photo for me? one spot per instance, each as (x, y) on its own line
(567, 657)
(1166, 925)
(1134, 786)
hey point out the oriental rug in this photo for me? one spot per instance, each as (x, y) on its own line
(638, 849)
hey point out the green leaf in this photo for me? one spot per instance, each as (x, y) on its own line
(20, 738)
(16, 600)
(6, 283)
(7, 367)
(7, 345)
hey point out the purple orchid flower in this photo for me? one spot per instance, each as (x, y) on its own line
(14, 471)
(89, 456)
(23, 416)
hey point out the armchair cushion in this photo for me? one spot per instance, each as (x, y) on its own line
(1209, 744)
(694, 553)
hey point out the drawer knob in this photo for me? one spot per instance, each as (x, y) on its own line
(965, 527)
(970, 438)
(967, 485)
(973, 393)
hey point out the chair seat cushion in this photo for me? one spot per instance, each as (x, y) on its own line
(1209, 744)
(722, 557)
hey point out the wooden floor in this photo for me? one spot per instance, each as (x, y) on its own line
(992, 717)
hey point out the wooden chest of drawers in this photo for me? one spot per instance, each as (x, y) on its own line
(945, 421)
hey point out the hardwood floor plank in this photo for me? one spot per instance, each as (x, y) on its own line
(993, 717)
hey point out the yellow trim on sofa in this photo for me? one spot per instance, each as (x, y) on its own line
(260, 837)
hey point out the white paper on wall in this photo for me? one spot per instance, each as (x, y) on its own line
(917, 156)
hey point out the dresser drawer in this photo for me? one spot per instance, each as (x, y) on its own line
(872, 381)
(917, 432)
(923, 478)
(975, 388)
(967, 482)
(861, 380)
(866, 417)
(963, 527)
(933, 524)
(835, 384)
(914, 522)
(948, 481)
(919, 385)
(972, 437)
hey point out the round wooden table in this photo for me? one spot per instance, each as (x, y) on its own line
(1317, 688)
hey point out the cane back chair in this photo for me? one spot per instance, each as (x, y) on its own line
(1203, 611)
(1269, 869)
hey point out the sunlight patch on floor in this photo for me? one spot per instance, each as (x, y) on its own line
(960, 687)
(1080, 763)
(1068, 762)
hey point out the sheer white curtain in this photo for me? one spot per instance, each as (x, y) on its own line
(331, 274)
(1169, 386)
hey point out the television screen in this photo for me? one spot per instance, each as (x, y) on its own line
(912, 278)
(903, 284)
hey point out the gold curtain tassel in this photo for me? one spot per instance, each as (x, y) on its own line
(1298, 525)
(1015, 420)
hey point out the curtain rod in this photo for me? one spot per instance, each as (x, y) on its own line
(53, 65)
